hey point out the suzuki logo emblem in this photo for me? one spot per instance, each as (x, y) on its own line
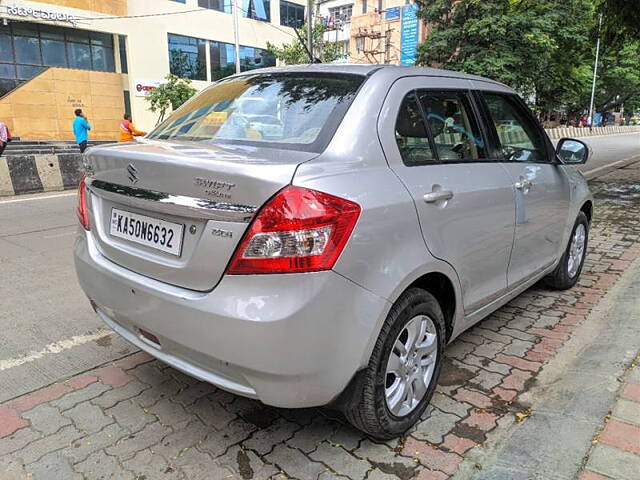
(133, 173)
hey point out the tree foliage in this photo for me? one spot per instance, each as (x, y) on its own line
(545, 49)
(295, 53)
(170, 95)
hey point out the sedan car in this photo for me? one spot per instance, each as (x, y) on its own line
(330, 261)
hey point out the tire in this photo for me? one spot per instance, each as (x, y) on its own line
(369, 409)
(563, 277)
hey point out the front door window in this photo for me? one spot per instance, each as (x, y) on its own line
(520, 139)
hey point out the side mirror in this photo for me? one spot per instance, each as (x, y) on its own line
(572, 151)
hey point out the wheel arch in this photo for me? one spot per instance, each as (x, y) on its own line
(587, 209)
(441, 287)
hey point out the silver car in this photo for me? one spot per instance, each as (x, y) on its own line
(329, 258)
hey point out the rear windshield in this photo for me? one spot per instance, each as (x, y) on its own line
(286, 110)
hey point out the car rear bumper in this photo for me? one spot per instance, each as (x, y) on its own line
(288, 340)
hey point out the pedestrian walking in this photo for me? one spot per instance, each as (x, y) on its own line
(5, 136)
(81, 129)
(128, 130)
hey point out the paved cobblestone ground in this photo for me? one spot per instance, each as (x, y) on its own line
(139, 419)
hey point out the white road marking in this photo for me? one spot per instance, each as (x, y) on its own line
(610, 165)
(54, 348)
(43, 197)
(73, 232)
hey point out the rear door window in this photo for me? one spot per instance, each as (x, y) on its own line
(411, 134)
(453, 125)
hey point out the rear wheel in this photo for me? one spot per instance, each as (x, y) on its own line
(568, 270)
(404, 367)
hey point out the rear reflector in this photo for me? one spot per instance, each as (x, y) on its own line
(298, 230)
(82, 212)
(149, 336)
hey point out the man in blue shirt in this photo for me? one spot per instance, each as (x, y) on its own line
(80, 129)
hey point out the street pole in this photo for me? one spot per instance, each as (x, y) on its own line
(595, 74)
(310, 28)
(236, 33)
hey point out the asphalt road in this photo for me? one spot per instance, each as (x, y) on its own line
(48, 331)
(609, 149)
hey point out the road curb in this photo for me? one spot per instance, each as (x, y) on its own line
(601, 171)
(36, 173)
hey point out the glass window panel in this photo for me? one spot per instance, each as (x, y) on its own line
(104, 39)
(220, 5)
(79, 56)
(453, 126)
(27, 50)
(6, 49)
(7, 70)
(6, 86)
(100, 57)
(411, 134)
(52, 33)
(25, 29)
(77, 36)
(520, 139)
(187, 57)
(124, 65)
(291, 14)
(257, 9)
(25, 72)
(266, 110)
(53, 53)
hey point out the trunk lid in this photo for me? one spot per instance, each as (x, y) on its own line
(205, 194)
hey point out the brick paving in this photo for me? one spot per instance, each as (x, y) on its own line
(139, 419)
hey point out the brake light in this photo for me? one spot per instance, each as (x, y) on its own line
(298, 230)
(82, 212)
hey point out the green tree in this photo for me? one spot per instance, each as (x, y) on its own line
(619, 76)
(622, 19)
(294, 52)
(170, 95)
(538, 47)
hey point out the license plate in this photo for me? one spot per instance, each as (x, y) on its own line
(149, 231)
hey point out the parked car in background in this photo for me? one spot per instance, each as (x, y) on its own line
(330, 260)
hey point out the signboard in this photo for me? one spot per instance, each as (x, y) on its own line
(41, 14)
(392, 13)
(409, 35)
(143, 87)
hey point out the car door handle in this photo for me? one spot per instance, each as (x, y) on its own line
(523, 184)
(440, 195)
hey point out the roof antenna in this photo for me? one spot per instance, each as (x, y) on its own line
(306, 49)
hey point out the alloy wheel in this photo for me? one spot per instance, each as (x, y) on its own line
(411, 365)
(576, 250)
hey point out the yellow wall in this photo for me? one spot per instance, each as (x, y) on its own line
(109, 7)
(43, 107)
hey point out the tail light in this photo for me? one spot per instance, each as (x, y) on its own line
(298, 230)
(82, 212)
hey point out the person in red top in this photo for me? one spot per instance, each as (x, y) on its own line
(128, 130)
(5, 136)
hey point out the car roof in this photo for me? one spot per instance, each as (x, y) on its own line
(393, 71)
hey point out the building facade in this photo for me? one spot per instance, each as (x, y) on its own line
(385, 31)
(104, 56)
(335, 15)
